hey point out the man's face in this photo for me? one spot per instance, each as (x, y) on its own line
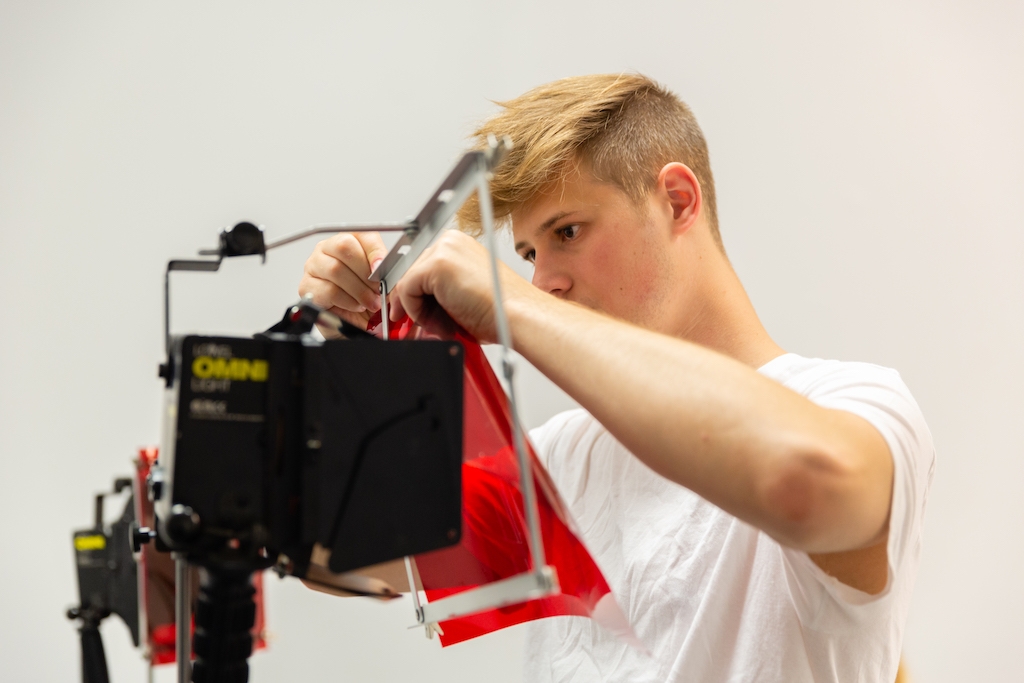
(590, 244)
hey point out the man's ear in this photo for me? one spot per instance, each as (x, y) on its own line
(678, 184)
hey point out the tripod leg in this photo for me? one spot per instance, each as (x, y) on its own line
(182, 618)
(94, 660)
(225, 613)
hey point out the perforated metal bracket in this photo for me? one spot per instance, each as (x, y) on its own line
(461, 182)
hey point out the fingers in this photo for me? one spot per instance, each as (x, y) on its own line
(360, 320)
(451, 281)
(343, 260)
(346, 248)
(373, 247)
(397, 307)
(336, 272)
(354, 291)
(326, 294)
(407, 296)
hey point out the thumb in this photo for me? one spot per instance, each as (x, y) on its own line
(374, 248)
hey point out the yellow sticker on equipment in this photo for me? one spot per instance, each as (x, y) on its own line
(90, 542)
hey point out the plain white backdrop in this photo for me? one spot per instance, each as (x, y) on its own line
(869, 160)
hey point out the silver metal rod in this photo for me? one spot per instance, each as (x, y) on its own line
(182, 618)
(536, 540)
(413, 588)
(341, 227)
(384, 320)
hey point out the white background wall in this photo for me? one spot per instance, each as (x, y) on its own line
(869, 166)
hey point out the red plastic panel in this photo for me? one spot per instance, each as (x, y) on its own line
(494, 533)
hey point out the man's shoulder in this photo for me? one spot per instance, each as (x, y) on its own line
(792, 368)
(821, 379)
(560, 425)
(874, 392)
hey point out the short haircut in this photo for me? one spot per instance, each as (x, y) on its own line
(623, 128)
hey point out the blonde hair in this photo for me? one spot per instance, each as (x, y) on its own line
(622, 127)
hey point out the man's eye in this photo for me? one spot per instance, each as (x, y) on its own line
(569, 232)
(529, 255)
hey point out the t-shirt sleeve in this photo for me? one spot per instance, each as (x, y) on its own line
(879, 396)
(543, 437)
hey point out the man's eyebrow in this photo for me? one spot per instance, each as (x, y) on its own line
(545, 226)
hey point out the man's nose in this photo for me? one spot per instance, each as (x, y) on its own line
(551, 279)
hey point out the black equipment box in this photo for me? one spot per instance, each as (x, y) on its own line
(276, 444)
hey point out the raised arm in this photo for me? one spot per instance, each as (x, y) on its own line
(814, 479)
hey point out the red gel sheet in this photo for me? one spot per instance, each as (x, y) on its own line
(494, 541)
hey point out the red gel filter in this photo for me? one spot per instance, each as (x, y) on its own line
(494, 542)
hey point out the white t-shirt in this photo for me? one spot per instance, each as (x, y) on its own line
(713, 598)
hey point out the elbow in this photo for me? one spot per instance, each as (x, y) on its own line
(801, 498)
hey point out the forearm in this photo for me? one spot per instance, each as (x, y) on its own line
(708, 422)
(815, 479)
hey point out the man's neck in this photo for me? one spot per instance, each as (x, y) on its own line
(723, 318)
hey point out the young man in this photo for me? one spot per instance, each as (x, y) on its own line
(757, 514)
